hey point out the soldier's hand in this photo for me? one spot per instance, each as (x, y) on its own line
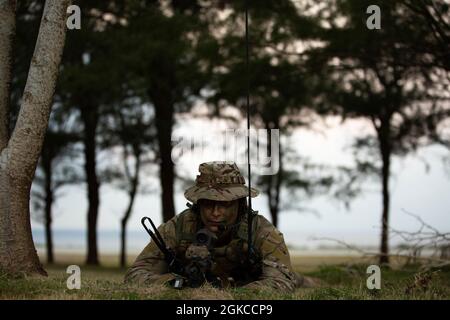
(199, 252)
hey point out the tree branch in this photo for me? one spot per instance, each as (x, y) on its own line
(426, 237)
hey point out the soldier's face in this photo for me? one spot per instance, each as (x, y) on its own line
(217, 213)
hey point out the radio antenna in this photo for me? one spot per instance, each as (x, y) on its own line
(249, 209)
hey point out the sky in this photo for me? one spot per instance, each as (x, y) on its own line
(414, 189)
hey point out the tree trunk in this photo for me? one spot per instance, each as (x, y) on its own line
(123, 238)
(274, 198)
(274, 182)
(47, 166)
(164, 123)
(48, 228)
(7, 34)
(17, 252)
(132, 195)
(385, 150)
(90, 120)
(274, 215)
(19, 159)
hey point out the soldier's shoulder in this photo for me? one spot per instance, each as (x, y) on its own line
(186, 213)
(265, 226)
(262, 222)
(185, 217)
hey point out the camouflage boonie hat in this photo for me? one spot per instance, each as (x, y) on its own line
(219, 181)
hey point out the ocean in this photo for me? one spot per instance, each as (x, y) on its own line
(76, 241)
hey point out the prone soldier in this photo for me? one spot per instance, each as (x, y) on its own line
(211, 238)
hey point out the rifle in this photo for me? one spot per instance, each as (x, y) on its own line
(200, 255)
(198, 270)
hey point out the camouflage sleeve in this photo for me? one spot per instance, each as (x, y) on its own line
(277, 271)
(150, 266)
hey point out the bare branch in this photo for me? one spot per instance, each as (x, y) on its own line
(426, 237)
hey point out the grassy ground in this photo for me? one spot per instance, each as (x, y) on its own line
(340, 277)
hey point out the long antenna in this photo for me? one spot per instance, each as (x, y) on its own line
(249, 209)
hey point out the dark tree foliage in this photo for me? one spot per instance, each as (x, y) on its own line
(382, 76)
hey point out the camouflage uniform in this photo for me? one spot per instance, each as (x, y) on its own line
(221, 182)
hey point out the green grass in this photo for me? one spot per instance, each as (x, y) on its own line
(337, 282)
